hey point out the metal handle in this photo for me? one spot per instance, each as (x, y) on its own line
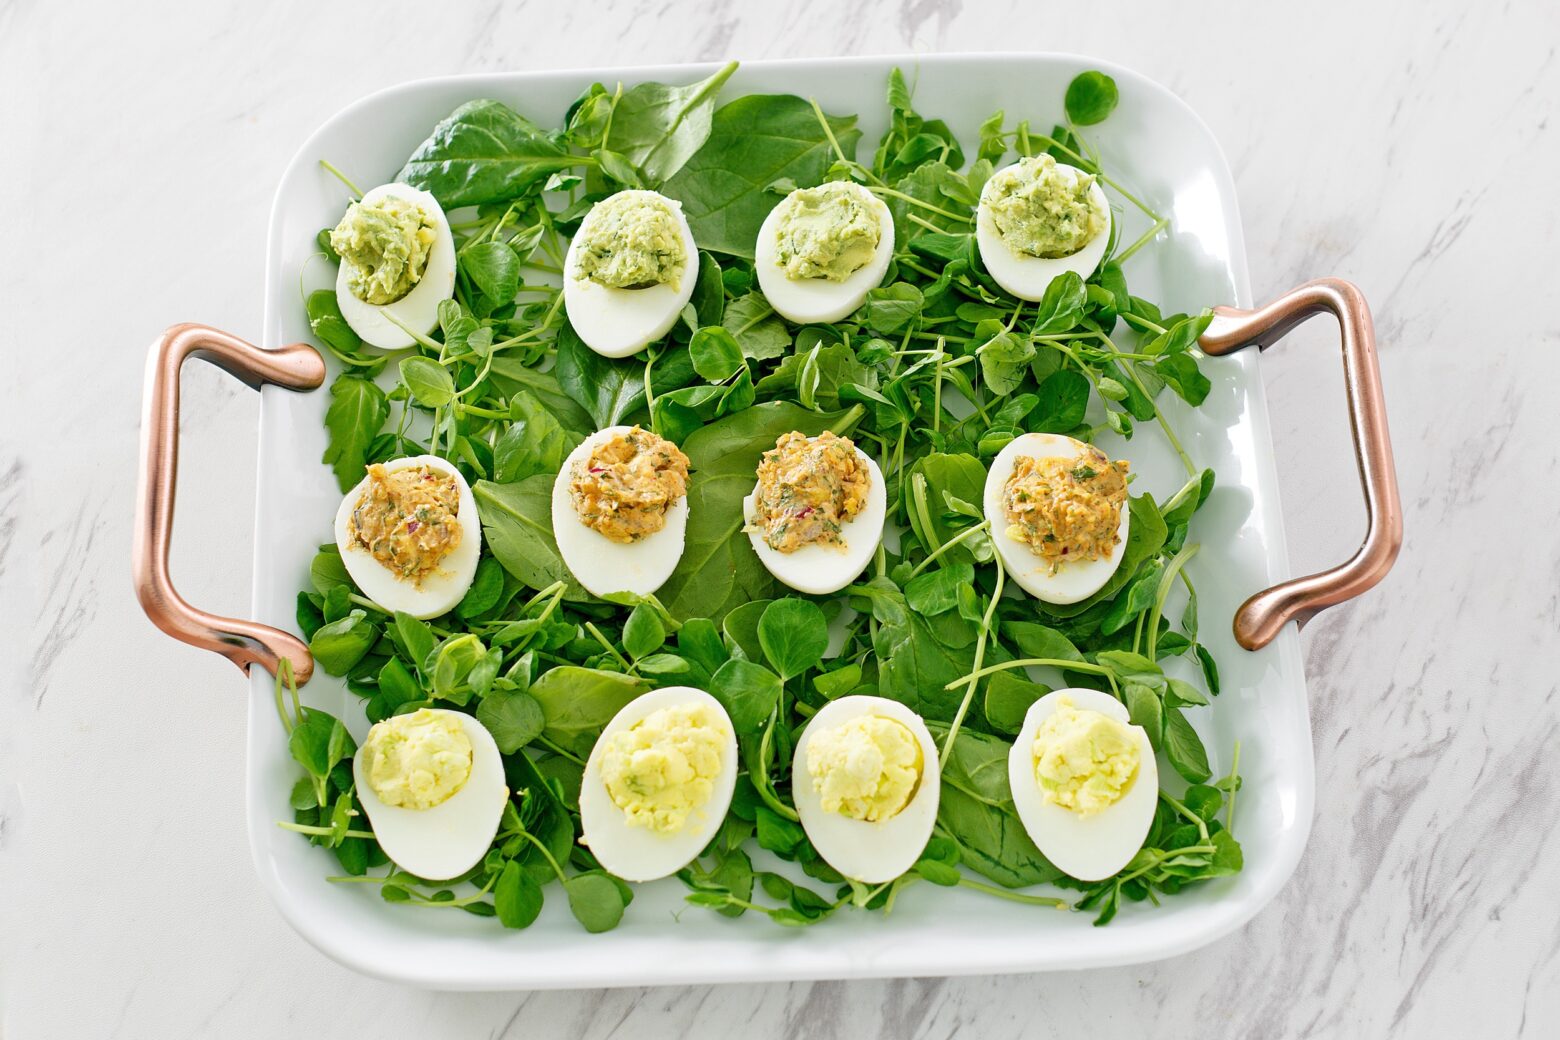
(296, 366)
(1259, 619)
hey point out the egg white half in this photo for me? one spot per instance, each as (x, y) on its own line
(808, 300)
(873, 851)
(441, 590)
(418, 310)
(618, 322)
(1027, 277)
(637, 853)
(1088, 848)
(819, 569)
(1076, 580)
(598, 563)
(452, 837)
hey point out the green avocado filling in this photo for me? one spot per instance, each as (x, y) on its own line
(1043, 209)
(385, 245)
(632, 240)
(827, 232)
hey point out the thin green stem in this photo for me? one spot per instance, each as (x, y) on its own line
(1166, 580)
(357, 193)
(1013, 897)
(1039, 662)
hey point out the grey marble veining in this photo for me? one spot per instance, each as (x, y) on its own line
(1405, 146)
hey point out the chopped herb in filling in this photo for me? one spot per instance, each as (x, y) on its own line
(1066, 509)
(808, 488)
(406, 519)
(1044, 210)
(623, 489)
(632, 240)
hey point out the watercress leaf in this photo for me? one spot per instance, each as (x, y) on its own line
(741, 629)
(452, 663)
(357, 411)
(724, 185)
(341, 644)
(838, 682)
(397, 685)
(1145, 709)
(1181, 373)
(932, 480)
(778, 834)
(1210, 667)
(1182, 694)
(1040, 641)
(1004, 362)
(1185, 748)
(535, 442)
(709, 292)
(758, 330)
(577, 702)
(794, 635)
(1132, 601)
(715, 353)
(749, 692)
(514, 718)
(1091, 96)
(1062, 305)
(643, 633)
(658, 127)
(517, 898)
(1008, 699)
(326, 321)
(327, 571)
(487, 585)
(1064, 396)
(595, 900)
(663, 665)
(428, 381)
(938, 873)
(698, 640)
(319, 741)
(416, 638)
(937, 591)
(484, 151)
(888, 310)
(517, 527)
(307, 615)
(494, 268)
(616, 168)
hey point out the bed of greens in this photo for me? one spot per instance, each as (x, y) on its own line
(932, 376)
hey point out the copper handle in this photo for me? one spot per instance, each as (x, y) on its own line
(296, 366)
(1259, 619)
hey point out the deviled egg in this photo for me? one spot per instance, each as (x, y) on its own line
(409, 535)
(629, 272)
(432, 784)
(1058, 514)
(620, 510)
(815, 517)
(866, 784)
(397, 265)
(1037, 219)
(1084, 782)
(658, 783)
(821, 249)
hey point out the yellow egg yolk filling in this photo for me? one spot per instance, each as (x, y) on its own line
(418, 761)
(866, 768)
(1085, 761)
(661, 770)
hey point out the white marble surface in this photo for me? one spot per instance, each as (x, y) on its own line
(1406, 146)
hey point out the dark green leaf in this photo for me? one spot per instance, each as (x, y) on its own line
(357, 411)
(484, 151)
(1091, 96)
(794, 635)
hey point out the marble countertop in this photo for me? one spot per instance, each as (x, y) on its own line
(1404, 146)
